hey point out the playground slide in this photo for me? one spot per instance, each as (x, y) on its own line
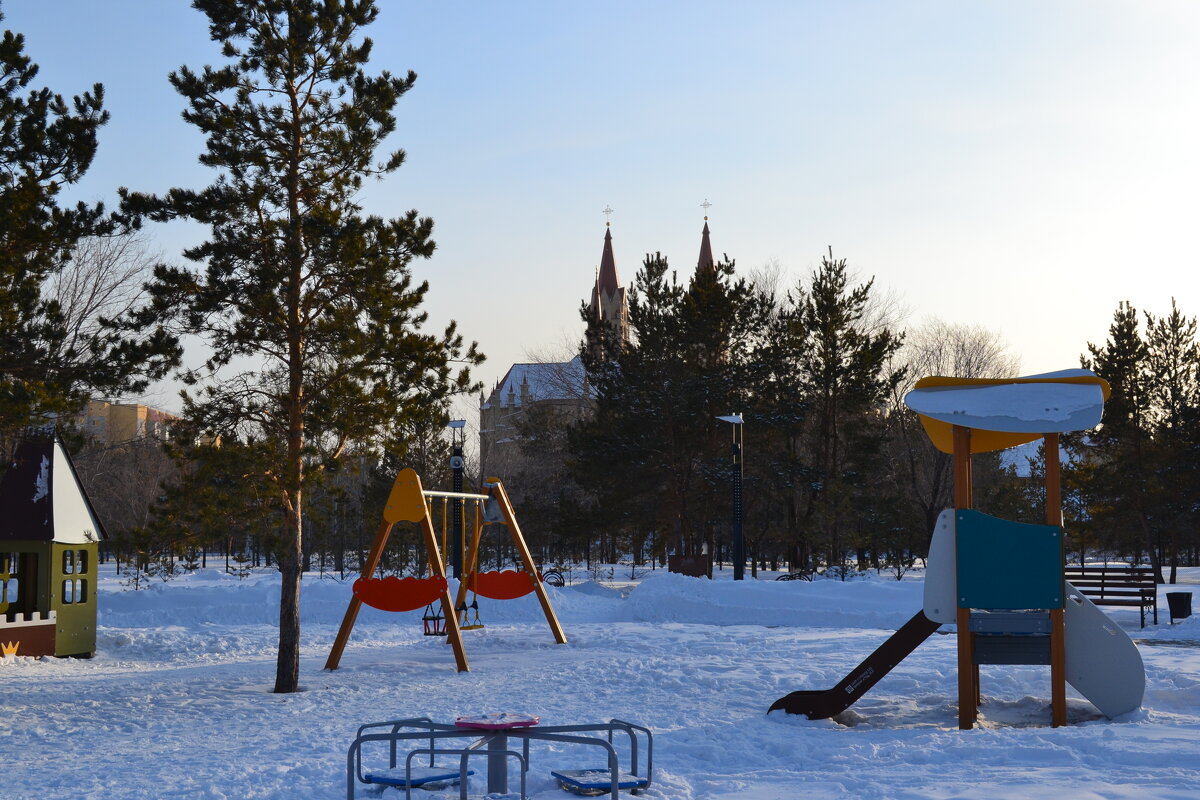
(1103, 663)
(824, 703)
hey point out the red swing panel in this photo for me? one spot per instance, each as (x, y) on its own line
(506, 585)
(399, 594)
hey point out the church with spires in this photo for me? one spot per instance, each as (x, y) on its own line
(560, 387)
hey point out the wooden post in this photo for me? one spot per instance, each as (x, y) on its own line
(1058, 632)
(1053, 481)
(496, 490)
(968, 673)
(449, 612)
(343, 634)
(964, 496)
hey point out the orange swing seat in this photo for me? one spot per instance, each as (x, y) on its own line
(505, 585)
(399, 594)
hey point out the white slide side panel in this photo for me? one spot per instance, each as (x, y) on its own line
(1103, 663)
(941, 603)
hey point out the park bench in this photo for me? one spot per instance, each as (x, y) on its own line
(1117, 585)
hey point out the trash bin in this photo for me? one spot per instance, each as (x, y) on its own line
(1179, 604)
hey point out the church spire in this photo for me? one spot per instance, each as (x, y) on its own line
(608, 281)
(609, 305)
(705, 262)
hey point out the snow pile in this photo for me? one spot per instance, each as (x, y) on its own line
(668, 597)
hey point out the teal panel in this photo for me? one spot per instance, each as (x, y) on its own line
(1007, 565)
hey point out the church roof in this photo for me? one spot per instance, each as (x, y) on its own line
(608, 281)
(540, 381)
(706, 257)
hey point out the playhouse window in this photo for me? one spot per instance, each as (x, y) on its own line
(74, 590)
(9, 591)
(74, 562)
(8, 581)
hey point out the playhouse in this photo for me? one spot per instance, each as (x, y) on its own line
(49, 538)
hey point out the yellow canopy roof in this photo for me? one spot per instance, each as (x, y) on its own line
(1006, 412)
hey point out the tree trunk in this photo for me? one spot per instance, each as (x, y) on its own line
(287, 669)
(1151, 551)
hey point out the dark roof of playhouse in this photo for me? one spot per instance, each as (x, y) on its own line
(28, 506)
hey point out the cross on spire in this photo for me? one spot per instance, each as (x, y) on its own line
(608, 210)
(706, 206)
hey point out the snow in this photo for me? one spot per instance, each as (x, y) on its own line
(177, 701)
(42, 487)
(542, 381)
(1013, 407)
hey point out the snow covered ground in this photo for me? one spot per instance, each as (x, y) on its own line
(177, 702)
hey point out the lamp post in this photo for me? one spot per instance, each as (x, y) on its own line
(739, 544)
(456, 467)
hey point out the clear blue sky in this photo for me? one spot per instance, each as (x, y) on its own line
(1021, 165)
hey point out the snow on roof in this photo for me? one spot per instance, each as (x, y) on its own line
(540, 381)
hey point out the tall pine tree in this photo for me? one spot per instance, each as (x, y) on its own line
(46, 145)
(308, 304)
(1120, 457)
(847, 384)
(1173, 394)
(654, 451)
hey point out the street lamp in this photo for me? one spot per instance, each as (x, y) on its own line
(457, 435)
(739, 544)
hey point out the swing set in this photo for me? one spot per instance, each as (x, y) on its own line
(408, 502)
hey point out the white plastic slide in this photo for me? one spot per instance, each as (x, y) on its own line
(1103, 663)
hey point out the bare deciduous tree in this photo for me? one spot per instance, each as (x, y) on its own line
(103, 279)
(965, 351)
(939, 348)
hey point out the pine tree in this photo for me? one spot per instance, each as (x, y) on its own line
(1173, 368)
(653, 450)
(1137, 473)
(622, 452)
(308, 304)
(1123, 460)
(1173, 393)
(46, 145)
(847, 383)
(779, 462)
(1122, 362)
